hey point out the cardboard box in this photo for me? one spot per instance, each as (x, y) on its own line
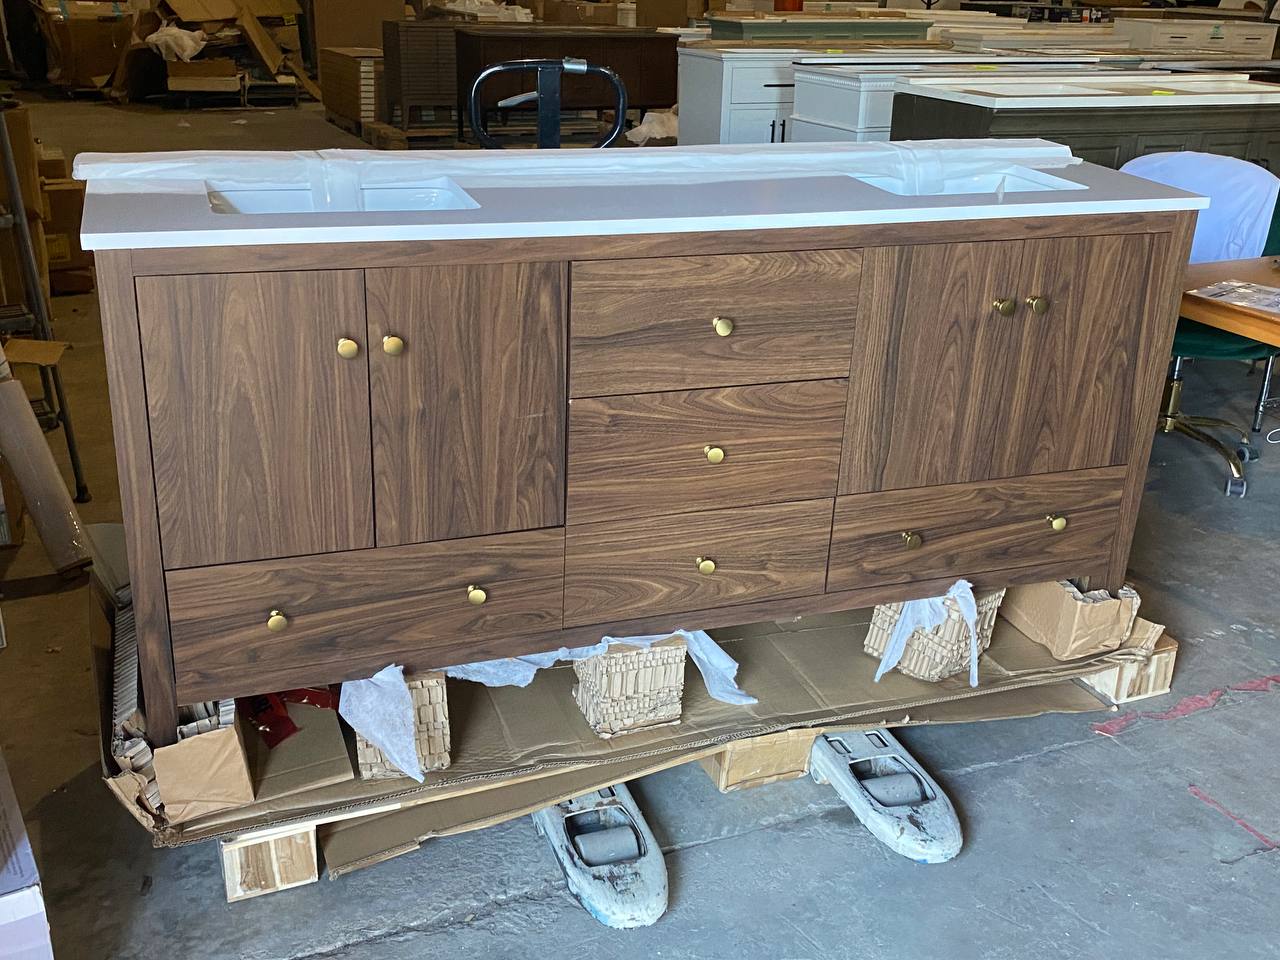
(662, 13)
(580, 12)
(52, 163)
(340, 23)
(214, 75)
(1069, 623)
(761, 760)
(65, 202)
(204, 774)
(26, 157)
(24, 927)
(13, 509)
(352, 82)
(85, 41)
(202, 11)
(1139, 679)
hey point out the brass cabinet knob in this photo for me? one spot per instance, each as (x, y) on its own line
(1004, 306)
(347, 348)
(911, 540)
(714, 454)
(1039, 305)
(1058, 523)
(277, 621)
(723, 326)
(477, 595)
(393, 346)
(705, 565)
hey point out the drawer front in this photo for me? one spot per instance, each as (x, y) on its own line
(762, 84)
(350, 614)
(639, 326)
(967, 529)
(638, 568)
(662, 453)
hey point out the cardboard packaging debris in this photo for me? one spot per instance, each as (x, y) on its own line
(24, 927)
(204, 774)
(941, 652)
(13, 509)
(351, 84)
(1139, 679)
(429, 695)
(805, 673)
(631, 688)
(1069, 623)
(761, 760)
(26, 156)
(205, 75)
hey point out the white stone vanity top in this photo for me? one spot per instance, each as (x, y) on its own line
(193, 199)
(1067, 91)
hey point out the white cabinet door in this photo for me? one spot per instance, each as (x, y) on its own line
(757, 124)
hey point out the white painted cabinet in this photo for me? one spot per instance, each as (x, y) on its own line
(735, 97)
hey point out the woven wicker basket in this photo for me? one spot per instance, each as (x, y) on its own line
(631, 688)
(942, 651)
(431, 719)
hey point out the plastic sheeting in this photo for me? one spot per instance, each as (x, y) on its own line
(380, 709)
(718, 669)
(1242, 200)
(925, 615)
(526, 168)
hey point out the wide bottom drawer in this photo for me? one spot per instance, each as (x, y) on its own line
(635, 568)
(249, 628)
(966, 529)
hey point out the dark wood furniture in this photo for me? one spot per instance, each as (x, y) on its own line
(644, 59)
(419, 69)
(1110, 137)
(333, 457)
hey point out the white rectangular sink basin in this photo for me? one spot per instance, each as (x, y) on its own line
(439, 193)
(1015, 179)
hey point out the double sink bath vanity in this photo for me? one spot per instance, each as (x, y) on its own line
(457, 406)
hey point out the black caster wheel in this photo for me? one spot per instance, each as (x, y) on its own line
(1247, 452)
(1236, 486)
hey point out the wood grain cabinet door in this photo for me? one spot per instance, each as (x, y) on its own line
(1082, 321)
(467, 386)
(259, 428)
(929, 364)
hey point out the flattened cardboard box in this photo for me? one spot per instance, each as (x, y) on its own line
(806, 673)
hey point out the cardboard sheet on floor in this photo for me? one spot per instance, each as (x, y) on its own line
(352, 844)
(810, 672)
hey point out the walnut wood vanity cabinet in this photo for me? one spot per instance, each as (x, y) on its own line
(338, 456)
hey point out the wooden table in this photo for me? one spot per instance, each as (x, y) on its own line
(1259, 325)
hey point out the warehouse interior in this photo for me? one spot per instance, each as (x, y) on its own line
(1118, 796)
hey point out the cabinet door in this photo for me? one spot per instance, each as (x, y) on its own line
(468, 418)
(929, 364)
(259, 428)
(1070, 386)
(757, 124)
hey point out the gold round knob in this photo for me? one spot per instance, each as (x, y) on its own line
(1057, 523)
(393, 346)
(1039, 305)
(714, 454)
(723, 326)
(347, 348)
(477, 595)
(1004, 306)
(706, 565)
(277, 621)
(911, 540)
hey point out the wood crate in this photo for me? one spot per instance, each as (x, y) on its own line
(264, 863)
(431, 716)
(631, 688)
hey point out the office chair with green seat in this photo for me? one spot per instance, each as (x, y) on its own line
(1242, 221)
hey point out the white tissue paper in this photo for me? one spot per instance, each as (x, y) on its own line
(380, 709)
(925, 615)
(718, 669)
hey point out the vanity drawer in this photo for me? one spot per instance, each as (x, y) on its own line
(966, 529)
(774, 84)
(661, 453)
(678, 323)
(635, 568)
(352, 613)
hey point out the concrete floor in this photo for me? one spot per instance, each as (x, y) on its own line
(1160, 842)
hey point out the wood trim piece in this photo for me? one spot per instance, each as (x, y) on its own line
(122, 344)
(1169, 254)
(322, 256)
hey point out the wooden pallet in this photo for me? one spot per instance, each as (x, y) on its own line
(353, 127)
